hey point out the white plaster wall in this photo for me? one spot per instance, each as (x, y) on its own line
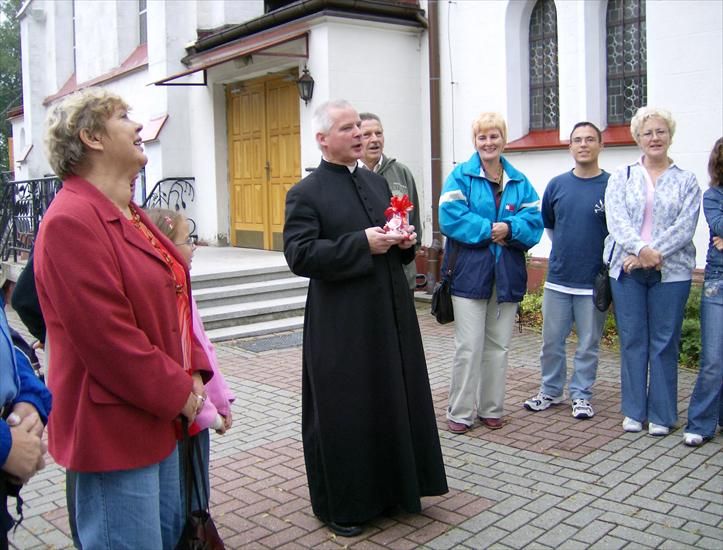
(685, 75)
(33, 25)
(472, 34)
(215, 13)
(96, 39)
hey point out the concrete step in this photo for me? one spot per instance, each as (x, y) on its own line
(252, 312)
(256, 329)
(250, 292)
(239, 276)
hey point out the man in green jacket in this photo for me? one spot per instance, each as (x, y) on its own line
(398, 176)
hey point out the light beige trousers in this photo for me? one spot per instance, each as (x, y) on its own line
(483, 329)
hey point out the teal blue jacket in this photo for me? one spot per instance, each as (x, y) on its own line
(466, 213)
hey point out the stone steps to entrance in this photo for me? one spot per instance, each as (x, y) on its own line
(250, 292)
(241, 303)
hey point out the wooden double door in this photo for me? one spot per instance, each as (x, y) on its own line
(264, 158)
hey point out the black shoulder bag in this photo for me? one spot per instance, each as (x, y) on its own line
(602, 295)
(442, 295)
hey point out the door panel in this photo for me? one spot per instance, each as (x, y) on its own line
(264, 159)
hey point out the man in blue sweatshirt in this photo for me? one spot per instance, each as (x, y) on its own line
(573, 210)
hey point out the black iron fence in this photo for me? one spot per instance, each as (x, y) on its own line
(23, 205)
(174, 194)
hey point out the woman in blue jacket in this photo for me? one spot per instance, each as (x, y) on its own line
(491, 216)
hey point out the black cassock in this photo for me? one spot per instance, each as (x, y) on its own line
(368, 423)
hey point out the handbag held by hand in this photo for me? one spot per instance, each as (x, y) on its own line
(199, 531)
(602, 295)
(442, 296)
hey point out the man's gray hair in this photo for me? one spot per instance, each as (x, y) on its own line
(322, 121)
(369, 116)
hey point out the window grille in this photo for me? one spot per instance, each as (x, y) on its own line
(544, 92)
(627, 86)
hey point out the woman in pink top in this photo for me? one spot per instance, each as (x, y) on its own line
(216, 413)
(651, 207)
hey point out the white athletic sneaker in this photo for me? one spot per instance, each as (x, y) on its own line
(582, 409)
(630, 425)
(657, 429)
(693, 440)
(542, 401)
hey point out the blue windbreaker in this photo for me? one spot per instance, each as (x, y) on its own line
(466, 214)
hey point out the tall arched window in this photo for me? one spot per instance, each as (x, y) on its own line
(627, 87)
(544, 96)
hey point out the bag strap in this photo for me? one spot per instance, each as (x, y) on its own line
(610, 256)
(452, 258)
(191, 450)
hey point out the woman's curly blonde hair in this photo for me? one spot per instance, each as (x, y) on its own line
(86, 109)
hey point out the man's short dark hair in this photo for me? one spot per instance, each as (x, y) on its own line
(580, 125)
(369, 116)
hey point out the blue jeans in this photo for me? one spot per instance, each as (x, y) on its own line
(130, 509)
(706, 405)
(203, 440)
(559, 311)
(649, 316)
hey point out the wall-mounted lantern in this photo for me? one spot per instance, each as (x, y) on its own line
(306, 86)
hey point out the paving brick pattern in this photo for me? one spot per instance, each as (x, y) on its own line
(543, 481)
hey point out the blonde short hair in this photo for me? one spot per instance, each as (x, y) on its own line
(87, 109)
(489, 121)
(644, 114)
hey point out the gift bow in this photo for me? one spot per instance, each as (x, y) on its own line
(399, 205)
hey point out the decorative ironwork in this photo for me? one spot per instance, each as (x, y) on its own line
(627, 85)
(544, 95)
(174, 194)
(24, 204)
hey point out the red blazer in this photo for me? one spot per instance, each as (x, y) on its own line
(112, 325)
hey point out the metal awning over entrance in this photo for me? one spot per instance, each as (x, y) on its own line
(288, 43)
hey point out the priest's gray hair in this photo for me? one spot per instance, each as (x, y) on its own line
(323, 121)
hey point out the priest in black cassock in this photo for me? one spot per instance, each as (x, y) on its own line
(368, 423)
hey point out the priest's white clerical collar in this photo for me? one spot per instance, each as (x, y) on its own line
(351, 167)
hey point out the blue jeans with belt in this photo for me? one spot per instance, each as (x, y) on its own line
(649, 316)
(130, 509)
(706, 405)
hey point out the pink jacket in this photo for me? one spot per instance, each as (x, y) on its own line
(219, 395)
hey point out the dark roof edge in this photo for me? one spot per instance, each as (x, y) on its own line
(403, 11)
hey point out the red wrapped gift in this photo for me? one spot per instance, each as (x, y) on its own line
(398, 216)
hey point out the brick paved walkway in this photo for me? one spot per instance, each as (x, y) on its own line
(543, 481)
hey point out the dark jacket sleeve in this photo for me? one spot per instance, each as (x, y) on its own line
(25, 302)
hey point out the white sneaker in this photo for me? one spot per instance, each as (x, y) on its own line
(693, 440)
(630, 425)
(582, 409)
(542, 401)
(657, 429)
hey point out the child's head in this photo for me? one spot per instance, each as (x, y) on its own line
(174, 225)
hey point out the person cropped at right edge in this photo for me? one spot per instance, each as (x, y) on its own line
(706, 405)
(652, 208)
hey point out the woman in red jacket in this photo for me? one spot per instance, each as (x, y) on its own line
(123, 361)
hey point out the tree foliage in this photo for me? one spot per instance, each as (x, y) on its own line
(11, 80)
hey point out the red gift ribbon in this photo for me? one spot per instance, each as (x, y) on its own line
(399, 205)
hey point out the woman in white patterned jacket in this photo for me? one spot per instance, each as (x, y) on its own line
(652, 209)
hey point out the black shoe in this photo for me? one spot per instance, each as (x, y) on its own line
(344, 530)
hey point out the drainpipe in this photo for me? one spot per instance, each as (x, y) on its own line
(433, 252)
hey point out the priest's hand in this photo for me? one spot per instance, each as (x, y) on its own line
(379, 241)
(410, 241)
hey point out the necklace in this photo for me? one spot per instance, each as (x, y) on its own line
(138, 224)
